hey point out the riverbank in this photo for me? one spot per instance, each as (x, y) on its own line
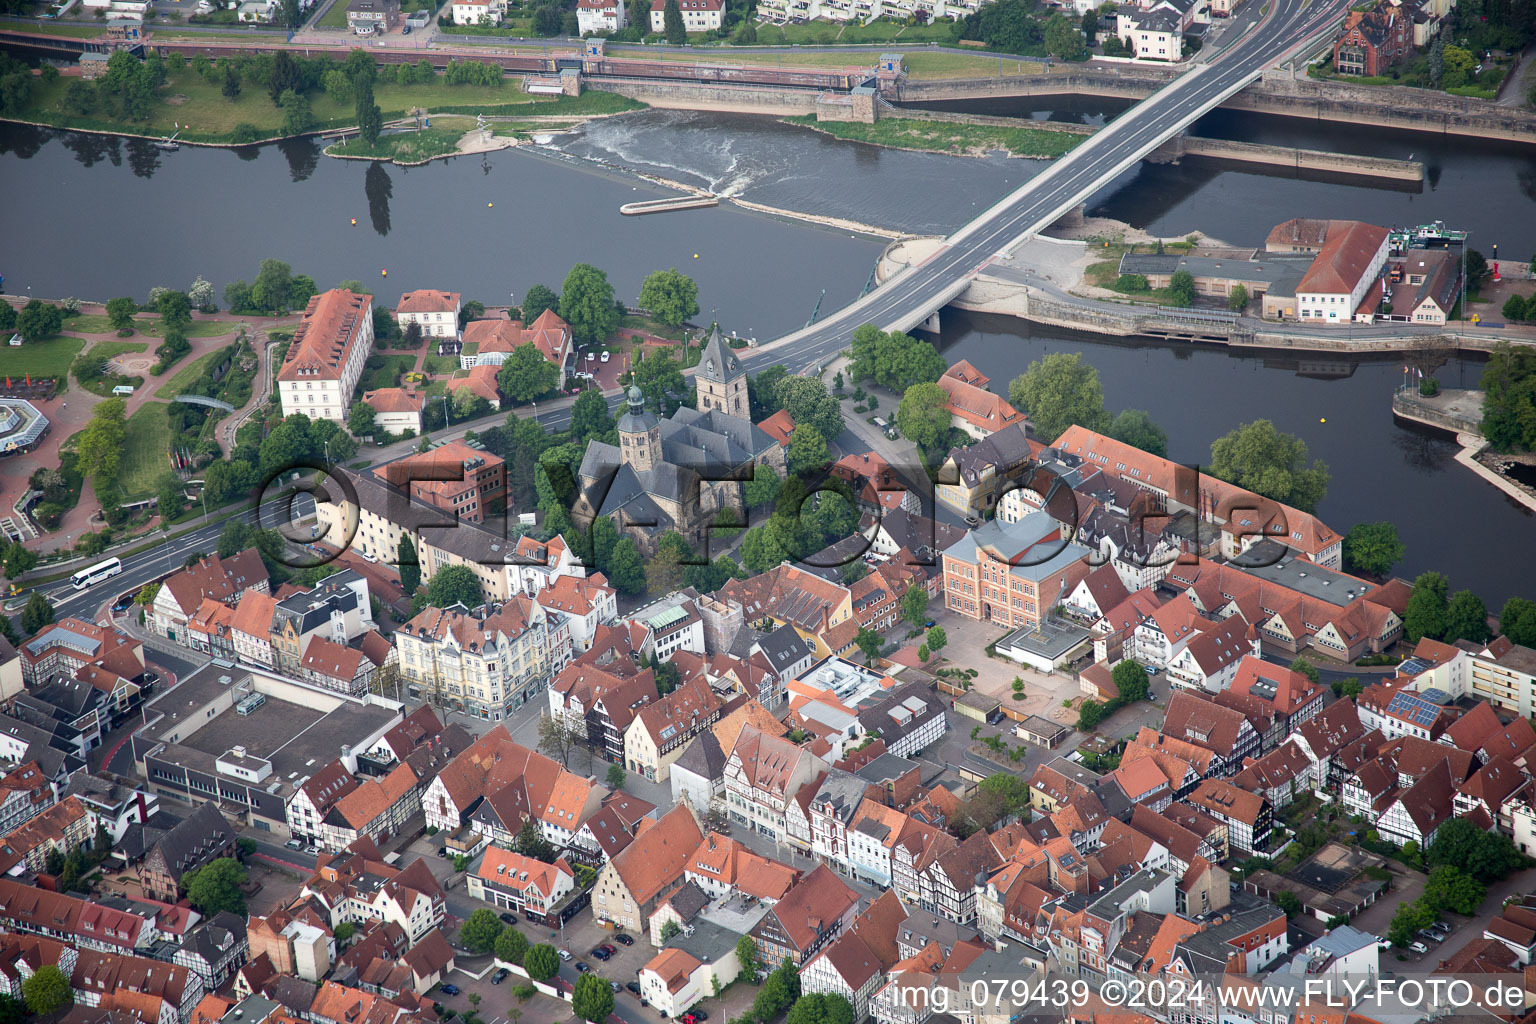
(198, 113)
(1459, 411)
(952, 136)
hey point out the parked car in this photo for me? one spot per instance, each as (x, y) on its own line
(442, 851)
(623, 939)
(694, 1017)
(615, 986)
(581, 967)
(972, 521)
(1419, 947)
(599, 953)
(294, 844)
(451, 990)
(633, 986)
(509, 918)
(1432, 936)
(605, 355)
(608, 948)
(564, 954)
(1441, 928)
(500, 976)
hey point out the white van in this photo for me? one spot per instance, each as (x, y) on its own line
(123, 389)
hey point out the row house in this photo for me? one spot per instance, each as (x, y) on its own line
(225, 580)
(148, 989)
(1207, 662)
(722, 867)
(583, 602)
(214, 949)
(376, 809)
(762, 776)
(600, 705)
(67, 826)
(855, 964)
(1325, 736)
(1248, 816)
(199, 839)
(25, 792)
(908, 719)
(336, 610)
(29, 910)
(486, 662)
(633, 884)
(947, 883)
(538, 564)
(357, 887)
(298, 942)
(1226, 733)
(511, 881)
(812, 914)
(1294, 699)
(1278, 776)
(661, 730)
(602, 835)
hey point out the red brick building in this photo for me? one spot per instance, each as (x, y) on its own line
(474, 479)
(1373, 40)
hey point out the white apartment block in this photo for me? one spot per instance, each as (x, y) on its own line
(326, 355)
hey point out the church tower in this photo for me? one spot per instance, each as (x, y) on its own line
(639, 435)
(721, 382)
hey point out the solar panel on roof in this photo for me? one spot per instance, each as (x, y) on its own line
(1415, 709)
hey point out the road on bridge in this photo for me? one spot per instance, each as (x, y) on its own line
(911, 296)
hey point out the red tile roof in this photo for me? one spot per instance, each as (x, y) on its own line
(333, 322)
(428, 300)
(1344, 259)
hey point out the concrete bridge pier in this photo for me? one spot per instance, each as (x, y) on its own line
(931, 325)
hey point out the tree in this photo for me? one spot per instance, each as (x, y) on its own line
(19, 560)
(807, 452)
(1237, 299)
(746, 955)
(592, 999)
(1427, 606)
(526, 375)
(672, 21)
(539, 298)
(1131, 679)
(120, 314)
(924, 418)
(1486, 856)
(868, 643)
(937, 638)
(39, 320)
(762, 488)
(587, 304)
(298, 117)
(1436, 63)
(590, 418)
(47, 990)
(1515, 308)
(231, 85)
(762, 390)
(170, 496)
(216, 887)
(559, 735)
(1307, 669)
(284, 76)
(1410, 919)
(807, 401)
(1288, 902)
(1266, 461)
(626, 570)
(37, 613)
(1058, 392)
(1517, 620)
(658, 375)
(511, 945)
(1181, 288)
(480, 931)
(541, 962)
(530, 842)
(454, 584)
(914, 606)
(669, 296)
(1372, 548)
(1466, 618)
(1450, 888)
(663, 572)
(410, 564)
(1062, 38)
(1090, 26)
(1090, 714)
(12, 1010)
(1137, 429)
(616, 776)
(361, 419)
(669, 930)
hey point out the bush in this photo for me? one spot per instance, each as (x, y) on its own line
(1429, 387)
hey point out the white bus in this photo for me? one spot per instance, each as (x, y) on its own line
(96, 573)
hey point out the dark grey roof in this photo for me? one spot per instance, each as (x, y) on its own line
(877, 719)
(1006, 447)
(140, 837)
(196, 841)
(885, 768)
(688, 901)
(718, 363)
(1272, 270)
(919, 534)
(703, 757)
(213, 939)
(637, 419)
(783, 647)
(66, 698)
(839, 795)
(311, 610)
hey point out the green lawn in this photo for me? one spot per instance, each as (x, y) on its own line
(55, 29)
(145, 450)
(336, 17)
(184, 377)
(113, 349)
(87, 323)
(441, 364)
(151, 326)
(407, 147)
(964, 65)
(50, 358)
(947, 137)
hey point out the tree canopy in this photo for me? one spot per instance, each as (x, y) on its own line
(1137, 429)
(526, 375)
(587, 304)
(1057, 392)
(1269, 462)
(99, 446)
(480, 930)
(893, 359)
(592, 998)
(669, 296)
(1486, 856)
(807, 401)
(216, 886)
(455, 584)
(1372, 548)
(541, 962)
(47, 990)
(924, 418)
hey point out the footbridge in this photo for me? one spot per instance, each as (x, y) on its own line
(913, 296)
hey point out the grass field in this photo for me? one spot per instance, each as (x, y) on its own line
(409, 147)
(966, 65)
(198, 328)
(183, 377)
(144, 450)
(441, 364)
(202, 113)
(88, 323)
(946, 137)
(113, 349)
(56, 29)
(49, 358)
(336, 17)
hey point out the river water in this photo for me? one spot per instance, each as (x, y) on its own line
(107, 218)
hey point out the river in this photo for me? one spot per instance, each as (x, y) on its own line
(114, 217)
